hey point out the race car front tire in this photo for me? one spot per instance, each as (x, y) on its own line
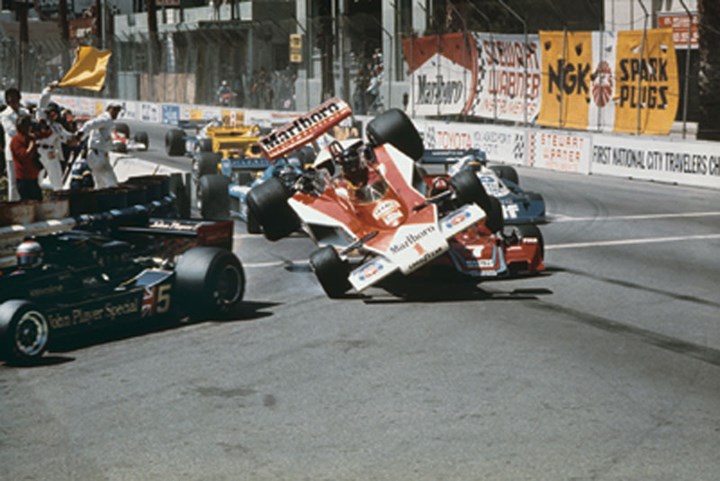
(24, 332)
(175, 142)
(142, 138)
(495, 220)
(204, 145)
(267, 202)
(209, 282)
(468, 189)
(213, 199)
(395, 127)
(205, 163)
(253, 226)
(331, 271)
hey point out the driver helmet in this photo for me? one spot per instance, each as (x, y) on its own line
(29, 254)
(353, 167)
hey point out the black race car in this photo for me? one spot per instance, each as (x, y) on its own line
(133, 271)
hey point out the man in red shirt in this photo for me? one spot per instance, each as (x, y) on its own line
(27, 168)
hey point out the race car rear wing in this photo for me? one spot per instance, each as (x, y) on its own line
(305, 128)
(205, 233)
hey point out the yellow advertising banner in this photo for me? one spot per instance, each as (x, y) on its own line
(646, 82)
(566, 70)
(621, 82)
(89, 70)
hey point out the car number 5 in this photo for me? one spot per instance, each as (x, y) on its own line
(163, 299)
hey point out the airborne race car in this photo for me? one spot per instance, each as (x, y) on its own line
(373, 214)
(500, 181)
(145, 268)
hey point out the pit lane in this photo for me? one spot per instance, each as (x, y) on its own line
(606, 367)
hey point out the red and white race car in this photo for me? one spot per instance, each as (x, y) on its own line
(373, 212)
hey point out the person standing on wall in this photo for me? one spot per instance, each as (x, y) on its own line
(23, 149)
(9, 118)
(50, 148)
(99, 132)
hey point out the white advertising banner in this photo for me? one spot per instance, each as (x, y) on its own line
(559, 150)
(688, 163)
(500, 144)
(508, 69)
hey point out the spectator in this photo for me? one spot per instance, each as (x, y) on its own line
(23, 149)
(99, 137)
(50, 148)
(8, 119)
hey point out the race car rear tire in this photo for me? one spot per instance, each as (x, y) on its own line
(395, 127)
(142, 138)
(495, 220)
(506, 172)
(331, 271)
(24, 332)
(123, 129)
(531, 230)
(175, 142)
(468, 189)
(209, 281)
(213, 199)
(267, 202)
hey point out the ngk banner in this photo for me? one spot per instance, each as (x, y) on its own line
(508, 70)
(621, 82)
(443, 70)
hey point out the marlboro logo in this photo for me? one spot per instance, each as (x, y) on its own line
(305, 128)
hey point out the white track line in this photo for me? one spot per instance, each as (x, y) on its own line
(563, 218)
(622, 242)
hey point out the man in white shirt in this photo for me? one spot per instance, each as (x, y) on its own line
(8, 118)
(99, 132)
(50, 147)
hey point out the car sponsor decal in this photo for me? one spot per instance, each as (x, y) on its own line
(369, 271)
(457, 218)
(305, 128)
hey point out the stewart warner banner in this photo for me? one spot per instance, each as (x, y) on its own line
(609, 81)
(478, 74)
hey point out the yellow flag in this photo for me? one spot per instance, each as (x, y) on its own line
(88, 71)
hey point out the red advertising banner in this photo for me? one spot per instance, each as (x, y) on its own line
(680, 24)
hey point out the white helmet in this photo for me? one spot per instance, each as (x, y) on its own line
(29, 254)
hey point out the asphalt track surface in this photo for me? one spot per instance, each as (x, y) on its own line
(607, 367)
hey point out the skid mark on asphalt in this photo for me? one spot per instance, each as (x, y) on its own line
(690, 349)
(632, 285)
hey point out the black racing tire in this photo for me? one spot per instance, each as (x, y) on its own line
(175, 142)
(213, 199)
(253, 226)
(142, 138)
(506, 172)
(495, 220)
(24, 332)
(468, 189)
(123, 129)
(267, 202)
(395, 127)
(331, 271)
(531, 230)
(204, 145)
(209, 282)
(205, 163)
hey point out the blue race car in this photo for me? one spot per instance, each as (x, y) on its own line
(500, 181)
